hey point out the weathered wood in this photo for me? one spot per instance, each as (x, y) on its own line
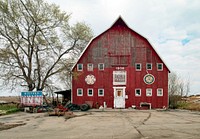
(119, 48)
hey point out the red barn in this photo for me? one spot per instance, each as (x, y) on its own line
(120, 69)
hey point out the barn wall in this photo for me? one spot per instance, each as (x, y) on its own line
(119, 48)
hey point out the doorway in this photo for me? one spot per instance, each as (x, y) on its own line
(119, 97)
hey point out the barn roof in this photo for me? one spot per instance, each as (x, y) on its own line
(120, 22)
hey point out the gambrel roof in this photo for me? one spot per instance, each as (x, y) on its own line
(119, 22)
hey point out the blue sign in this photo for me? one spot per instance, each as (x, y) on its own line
(32, 94)
(30, 98)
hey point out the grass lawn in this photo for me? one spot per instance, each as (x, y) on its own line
(189, 106)
(8, 108)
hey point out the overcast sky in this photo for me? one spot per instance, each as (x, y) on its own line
(171, 26)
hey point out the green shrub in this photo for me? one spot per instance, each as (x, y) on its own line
(182, 105)
(173, 101)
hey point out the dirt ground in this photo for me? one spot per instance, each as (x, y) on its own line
(93, 124)
(15, 99)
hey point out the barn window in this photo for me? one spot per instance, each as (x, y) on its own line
(119, 77)
(100, 92)
(101, 66)
(90, 92)
(79, 92)
(137, 92)
(138, 67)
(148, 92)
(159, 92)
(90, 67)
(160, 66)
(79, 67)
(149, 66)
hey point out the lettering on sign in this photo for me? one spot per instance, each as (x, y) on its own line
(32, 98)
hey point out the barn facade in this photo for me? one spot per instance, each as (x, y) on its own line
(120, 69)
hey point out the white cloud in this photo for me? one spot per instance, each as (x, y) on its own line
(183, 59)
(168, 24)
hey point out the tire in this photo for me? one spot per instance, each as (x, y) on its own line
(84, 107)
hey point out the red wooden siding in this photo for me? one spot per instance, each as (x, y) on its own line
(119, 48)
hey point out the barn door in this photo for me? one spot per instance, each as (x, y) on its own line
(119, 97)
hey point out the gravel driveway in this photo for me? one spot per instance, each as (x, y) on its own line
(117, 124)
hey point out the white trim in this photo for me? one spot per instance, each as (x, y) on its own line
(131, 30)
(88, 91)
(88, 67)
(99, 66)
(77, 91)
(123, 87)
(122, 98)
(152, 77)
(122, 73)
(136, 66)
(160, 95)
(78, 67)
(157, 67)
(83, 52)
(136, 92)
(102, 90)
(147, 66)
(149, 90)
(157, 53)
(145, 103)
(143, 37)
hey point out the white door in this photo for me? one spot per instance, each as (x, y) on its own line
(119, 97)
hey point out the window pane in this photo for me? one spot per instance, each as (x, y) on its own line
(101, 66)
(138, 92)
(90, 92)
(90, 67)
(148, 92)
(149, 66)
(160, 66)
(100, 92)
(80, 67)
(138, 66)
(160, 92)
(79, 92)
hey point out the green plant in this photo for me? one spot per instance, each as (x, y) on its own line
(8, 108)
(182, 105)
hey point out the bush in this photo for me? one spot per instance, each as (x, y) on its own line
(173, 101)
(182, 105)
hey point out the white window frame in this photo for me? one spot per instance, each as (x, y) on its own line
(100, 66)
(160, 94)
(78, 69)
(118, 74)
(99, 92)
(147, 66)
(148, 92)
(158, 66)
(89, 90)
(90, 67)
(136, 92)
(78, 92)
(136, 66)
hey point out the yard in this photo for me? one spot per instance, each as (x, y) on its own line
(93, 124)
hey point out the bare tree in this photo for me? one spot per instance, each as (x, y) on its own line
(37, 43)
(178, 88)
